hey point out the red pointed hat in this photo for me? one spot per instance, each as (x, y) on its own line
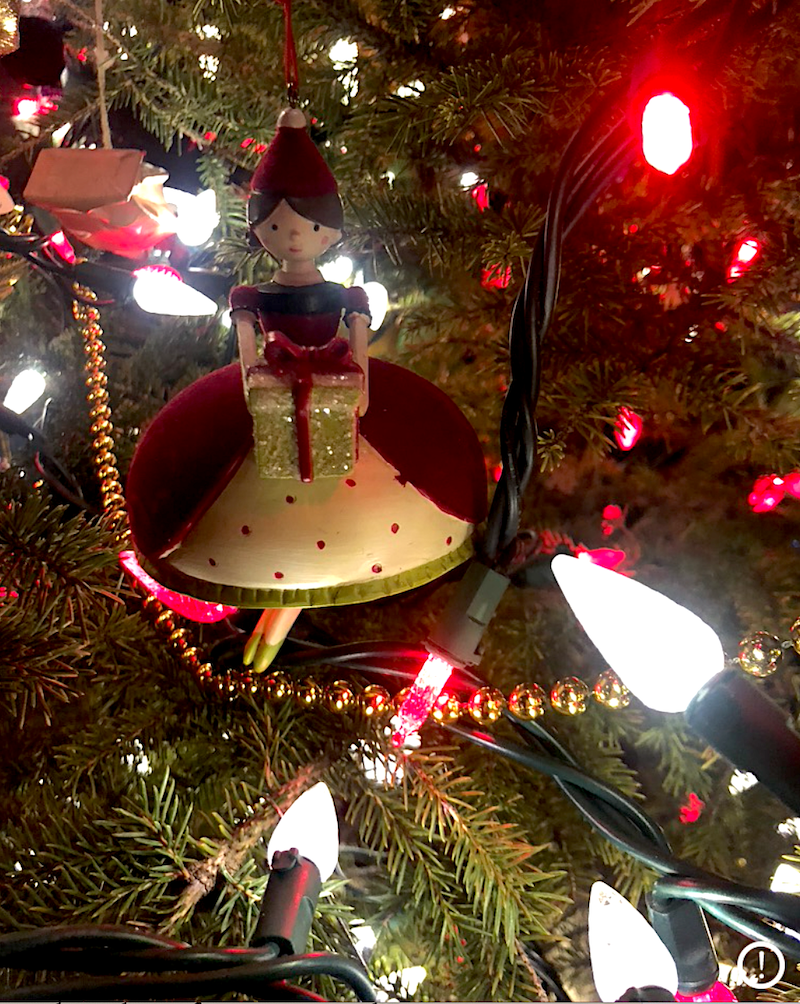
(292, 165)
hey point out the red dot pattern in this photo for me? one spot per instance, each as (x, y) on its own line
(246, 530)
(449, 541)
(211, 561)
(377, 568)
(350, 483)
(321, 544)
(278, 575)
(395, 527)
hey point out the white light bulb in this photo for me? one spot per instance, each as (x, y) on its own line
(624, 949)
(26, 389)
(338, 270)
(740, 781)
(469, 179)
(160, 290)
(661, 651)
(197, 215)
(343, 53)
(378, 303)
(785, 879)
(310, 827)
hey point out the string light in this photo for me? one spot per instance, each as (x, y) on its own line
(666, 133)
(159, 289)
(25, 390)
(197, 215)
(339, 270)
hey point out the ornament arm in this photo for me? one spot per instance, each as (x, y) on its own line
(357, 326)
(245, 323)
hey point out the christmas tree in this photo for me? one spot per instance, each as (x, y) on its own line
(144, 766)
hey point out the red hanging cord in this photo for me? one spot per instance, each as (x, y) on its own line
(290, 71)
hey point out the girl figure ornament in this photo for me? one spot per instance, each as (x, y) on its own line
(295, 213)
(269, 483)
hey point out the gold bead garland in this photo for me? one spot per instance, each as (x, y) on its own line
(569, 695)
(760, 654)
(105, 460)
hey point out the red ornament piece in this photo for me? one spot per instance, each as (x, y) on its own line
(627, 428)
(690, 813)
(791, 482)
(194, 610)
(429, 684)
(717, 992)
(767, 492)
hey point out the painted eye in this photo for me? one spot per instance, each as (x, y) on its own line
(316, 227)
(274, 226)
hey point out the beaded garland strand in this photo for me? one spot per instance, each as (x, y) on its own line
(760, 654)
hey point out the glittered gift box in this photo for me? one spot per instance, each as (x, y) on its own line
(305, 425)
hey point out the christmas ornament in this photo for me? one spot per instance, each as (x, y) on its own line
(308, 475)
(760, 654)
(527, 701)
(109, 199)
(38, 59)
(486, 705)
(610, 691)
(569, 695)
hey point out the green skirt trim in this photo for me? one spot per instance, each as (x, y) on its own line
(324, 596)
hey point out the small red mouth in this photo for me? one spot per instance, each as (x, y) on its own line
(295, 250)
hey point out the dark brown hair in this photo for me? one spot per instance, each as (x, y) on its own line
(323, 209)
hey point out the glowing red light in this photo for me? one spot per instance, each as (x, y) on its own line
(4, 182)
(767, 492)
(690, 812)
(497, 472)
(633, 228)
(743, 257)
(612, 512)
(430, 682)
(666, 133)
(717, 992)
(480, 193)
(209, 136)
(26, 108)
(186, 606)
(247, 142)
(63, 247)
(627, 428)
(496, 277)
(791, 482)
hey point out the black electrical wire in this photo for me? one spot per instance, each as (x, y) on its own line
(547, 975)
(145, 960)
(250, 978)
(730, 902)
(80, 936)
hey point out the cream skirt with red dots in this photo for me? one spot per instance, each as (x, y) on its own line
(274, 543)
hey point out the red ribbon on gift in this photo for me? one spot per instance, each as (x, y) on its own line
(301, 363)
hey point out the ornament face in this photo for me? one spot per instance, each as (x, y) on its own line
(290, 237)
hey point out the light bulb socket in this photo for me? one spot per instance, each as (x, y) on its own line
(458, 632)
(288, 905)
(682, 927)
(751, 731)
(648, 993)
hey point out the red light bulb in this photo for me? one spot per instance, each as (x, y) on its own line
(666, 133)
(430, 682)
(63, 247)
(627, 428)
(767, 492)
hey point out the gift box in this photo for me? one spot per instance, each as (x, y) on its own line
(304, 427)
(109, 199)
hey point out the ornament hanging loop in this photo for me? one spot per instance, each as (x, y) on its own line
(290, 70)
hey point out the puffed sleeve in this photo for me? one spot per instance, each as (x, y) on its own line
(356, 302)
(245, 298)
